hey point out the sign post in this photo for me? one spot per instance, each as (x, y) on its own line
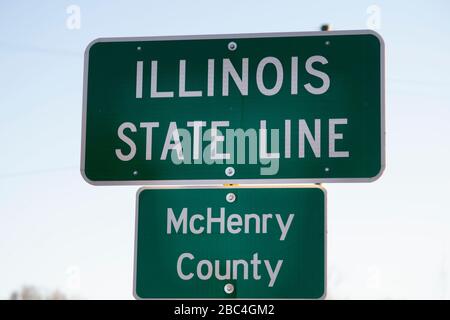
(250, 108)
(230, 243)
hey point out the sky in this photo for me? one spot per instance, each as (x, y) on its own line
(386, 240)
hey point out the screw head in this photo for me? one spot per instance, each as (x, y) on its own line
(232, 46)
(229, 171)
(229, 288)
(231, 197)
(135, 173)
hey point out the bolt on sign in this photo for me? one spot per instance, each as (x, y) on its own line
(249, 108)
(230, 243)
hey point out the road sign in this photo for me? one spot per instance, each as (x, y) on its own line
(230, 243)
(250, 108)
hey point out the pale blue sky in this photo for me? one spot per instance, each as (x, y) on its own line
(386, 239)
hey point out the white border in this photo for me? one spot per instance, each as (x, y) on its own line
(316, 186)
(229, 180)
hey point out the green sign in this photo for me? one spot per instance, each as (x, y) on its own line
(231, 243)
(250, 108)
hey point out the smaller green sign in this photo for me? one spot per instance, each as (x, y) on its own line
(220, 243)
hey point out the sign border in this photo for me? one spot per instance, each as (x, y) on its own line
(211, 182)
(325, 252)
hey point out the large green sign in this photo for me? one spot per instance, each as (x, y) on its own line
(231, 243)
(251, 108)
